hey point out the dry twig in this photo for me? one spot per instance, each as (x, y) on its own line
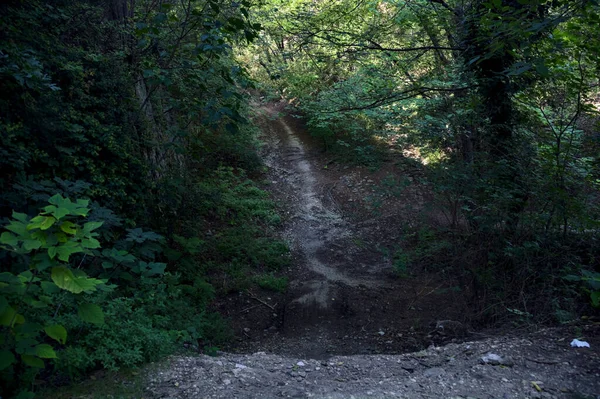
(251, 295)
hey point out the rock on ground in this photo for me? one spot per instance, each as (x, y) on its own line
(539, 365)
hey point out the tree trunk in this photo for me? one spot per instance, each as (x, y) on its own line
(120, 10)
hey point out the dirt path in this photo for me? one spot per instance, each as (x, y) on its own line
(316, 226)
(344, 297)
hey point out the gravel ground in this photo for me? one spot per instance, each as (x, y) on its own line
(539, 365)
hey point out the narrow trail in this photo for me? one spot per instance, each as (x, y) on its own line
(344, 296)
(347, 325)
(316, 227)
(331, 275)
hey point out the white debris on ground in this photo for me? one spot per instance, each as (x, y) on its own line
(579, 344)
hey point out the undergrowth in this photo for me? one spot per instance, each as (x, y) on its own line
(148, 296)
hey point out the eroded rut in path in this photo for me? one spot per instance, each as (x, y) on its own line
(343, 296)
(315, 228)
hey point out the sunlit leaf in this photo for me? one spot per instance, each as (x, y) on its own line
(45, 351)
(57, 332)
(65, 279)
(68, 227)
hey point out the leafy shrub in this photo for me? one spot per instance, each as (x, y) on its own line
(128, 338)
(48, 297)
(590, 284)
(143, 145)
(44, 246)
(235, 235)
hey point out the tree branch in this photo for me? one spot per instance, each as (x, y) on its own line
(404, 95)
(407, 49)
(445, 5)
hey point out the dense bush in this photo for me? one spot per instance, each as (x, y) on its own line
(143, 120)
(111, 308)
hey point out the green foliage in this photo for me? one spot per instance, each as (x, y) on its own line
(424, 249)
(54, 311)
(238, 220)
(129, 338)
(28, 295)
(497, 104)
(148, 313)
(590, 284)
(72, 126)
(139, 111)
(272, 283)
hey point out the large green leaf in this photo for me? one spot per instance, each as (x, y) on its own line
(52, 251)
(67, 249)
(57, 212)
(45, 351)
(57, 332)
(17, 227)
(10, 317)
(118, 256)
(36, 222)
(60, 212)
(21, 217)
(69, 227)
(8, 239)
(65, 279)
(6, 359)
(77, 209)
(27, 276)
(33, 361)
(31, 244)
(91, 226)
(91, 313)
(56, 199)
(90, 243)
(48, 222)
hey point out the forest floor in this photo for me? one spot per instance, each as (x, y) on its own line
(348, 321)
(344, 296)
